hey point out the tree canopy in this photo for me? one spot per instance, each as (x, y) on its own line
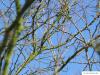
(49, 37)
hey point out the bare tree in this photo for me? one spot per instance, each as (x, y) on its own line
(49, 37)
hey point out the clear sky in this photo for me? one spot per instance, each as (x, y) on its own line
(71, 68)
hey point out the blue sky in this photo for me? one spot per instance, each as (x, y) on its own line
(71, 68)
